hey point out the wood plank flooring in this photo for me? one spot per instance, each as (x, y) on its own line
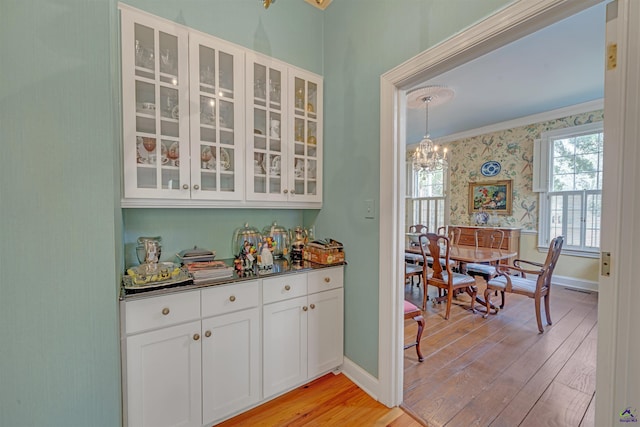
(497, 372)
(331, 400)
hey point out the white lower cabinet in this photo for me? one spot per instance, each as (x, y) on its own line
(302, 336)
(230, 363)
(195, 358)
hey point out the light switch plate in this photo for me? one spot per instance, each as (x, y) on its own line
(369, 209)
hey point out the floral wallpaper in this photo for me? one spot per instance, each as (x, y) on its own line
(513, 148)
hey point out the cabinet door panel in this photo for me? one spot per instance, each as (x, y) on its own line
(325, 333)
(217, 133)
(304, 143)
(155, 107)
(266, 128)
(164, 377)
(230, 363)
(285, 345)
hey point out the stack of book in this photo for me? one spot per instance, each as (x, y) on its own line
(205, 271)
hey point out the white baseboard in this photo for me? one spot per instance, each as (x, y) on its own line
(573, 283)
(361, 378)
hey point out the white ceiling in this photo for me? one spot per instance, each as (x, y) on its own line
(558, 66)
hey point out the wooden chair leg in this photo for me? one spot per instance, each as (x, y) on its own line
(449, 298)
(538, 315)
(420, 320)
(487, 301)
(502, 300)
(546, 309)
(424, 296)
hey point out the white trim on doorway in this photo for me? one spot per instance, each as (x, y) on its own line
(514, 21)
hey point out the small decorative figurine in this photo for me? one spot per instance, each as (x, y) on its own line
(265, 260)
(245, 259)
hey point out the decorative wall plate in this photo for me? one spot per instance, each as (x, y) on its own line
(491, 168)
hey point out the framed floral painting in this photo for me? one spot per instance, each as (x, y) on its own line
(491, 196)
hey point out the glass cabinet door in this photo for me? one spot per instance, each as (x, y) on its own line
(217, 134)
(306, 144)
(266, 129)
(155, 99)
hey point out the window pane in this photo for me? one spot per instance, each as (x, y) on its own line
(555, 226)
(594, 210)
(574, 216)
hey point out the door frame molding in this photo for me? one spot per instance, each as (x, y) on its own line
(517, 20)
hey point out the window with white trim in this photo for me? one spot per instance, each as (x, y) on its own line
(568, 175)
(426, 198)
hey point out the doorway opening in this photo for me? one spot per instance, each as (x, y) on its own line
(505, 26)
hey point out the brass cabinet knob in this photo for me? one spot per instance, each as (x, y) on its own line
(327, 279)
(312, 306)
(165, 311)
(285, 191)
(185, 187)
(207, 334)
(196, 337)
(304, 308)
(293, 192)
(232, 298)
(287, 288)
(196, 187)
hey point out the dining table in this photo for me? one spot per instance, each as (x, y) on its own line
(469, 254)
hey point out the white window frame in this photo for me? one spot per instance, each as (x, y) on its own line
(411, 199)
(542, 174)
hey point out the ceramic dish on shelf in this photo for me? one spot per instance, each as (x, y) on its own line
(225, 159)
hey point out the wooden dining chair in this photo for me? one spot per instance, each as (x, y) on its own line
(452, 232)
(536, 287)
(418, 228)
(416, 266)
(442, 275)
(412, 312)
(486, 238)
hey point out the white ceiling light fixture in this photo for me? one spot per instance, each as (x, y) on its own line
(427, 156)
(320, 4)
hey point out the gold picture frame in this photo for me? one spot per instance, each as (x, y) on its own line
(491, 196)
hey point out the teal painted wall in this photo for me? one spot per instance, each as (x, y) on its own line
(59, 353)
(363, 40)
(63, 237)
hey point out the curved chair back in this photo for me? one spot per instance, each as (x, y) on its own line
(418, 228)
(489, 238)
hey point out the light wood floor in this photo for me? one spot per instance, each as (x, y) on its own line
(477, 372)
(331, 400)
(499, 371)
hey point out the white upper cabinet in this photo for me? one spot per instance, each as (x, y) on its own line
(217, 128)
(304, 136)
(155, 91)
(284, 132)
(266, 129)
(211, 124)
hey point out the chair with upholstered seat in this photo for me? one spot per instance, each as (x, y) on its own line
(486, 238)
(412, 312)
(442, 276)
(536, 288)
(416, 267)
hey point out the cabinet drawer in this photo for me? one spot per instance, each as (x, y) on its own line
(284, 287)
(325, 279)
(227, 298)
(158, 312)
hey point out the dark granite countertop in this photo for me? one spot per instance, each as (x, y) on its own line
(280, 267)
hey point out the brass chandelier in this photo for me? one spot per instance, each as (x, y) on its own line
(427, 156)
